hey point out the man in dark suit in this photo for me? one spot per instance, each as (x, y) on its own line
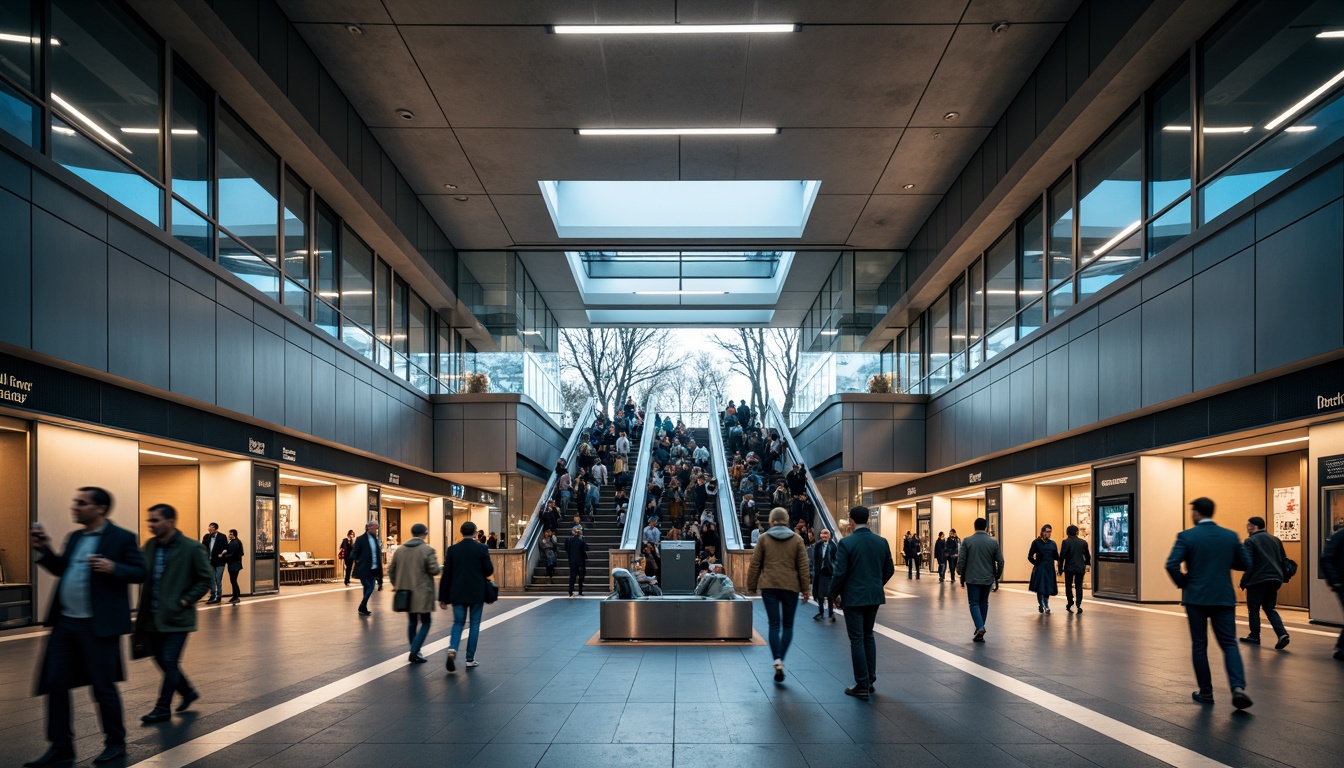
(466, 566)
(576, 549)
(90, 611)
(863, 565)
(368, 557)
(823, 569)
(1209, 553)
(217, 547)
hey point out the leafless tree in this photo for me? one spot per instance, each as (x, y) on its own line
(746, 351)
(782, 358)
(574, 394)
(613, 362)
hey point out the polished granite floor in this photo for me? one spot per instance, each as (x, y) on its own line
(542, 697)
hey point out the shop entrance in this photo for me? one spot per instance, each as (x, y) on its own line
(16, 591)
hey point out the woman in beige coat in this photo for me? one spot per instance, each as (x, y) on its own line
(780, 569)
(413, 568)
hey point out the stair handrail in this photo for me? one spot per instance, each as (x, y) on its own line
(792, 455)
(639, 483)
(730, 532)
(583, 424)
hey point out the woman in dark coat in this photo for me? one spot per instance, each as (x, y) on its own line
(1044, 557)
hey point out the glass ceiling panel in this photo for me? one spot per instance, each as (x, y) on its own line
(683, 264)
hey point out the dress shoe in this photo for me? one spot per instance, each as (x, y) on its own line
(817, 617)
(1069, 607)
(187, 699)
(1239, 698)
(235, 601)
(832, 618)
(1251, 639)
(979, 636)
(1080, 609)
(857, 692)
(157, 715)
(1283, 642)
(52, 756)
(451, 664)
(1202, 698)
(110, 753)
(1339, 654)
(416, 658)
(365, 612)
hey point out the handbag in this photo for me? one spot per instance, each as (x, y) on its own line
(1289, 569)
(401, 601)
(491, 591)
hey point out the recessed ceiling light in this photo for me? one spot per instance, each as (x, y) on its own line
(461, 198)
(1000, 27)
(354, 29)
(950, 116)
(1253, 447)
(908, 186)
(168, 455)
(405, 114)
(676, 131)
(1331, 34)
(450, 186)
(672, 29)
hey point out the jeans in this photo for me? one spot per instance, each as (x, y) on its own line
(460, 618)
(217, 585)
(368, 582)
(168, 648)
(1073, 588)
(564, 501)
(1224, 621)
(1264, 596)
(942, 569)
(780, 606)
(859, 621)
(417, 636)
(71, 641)
(978, 596)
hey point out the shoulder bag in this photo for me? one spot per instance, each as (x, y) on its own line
(401, 601)
(491, 591)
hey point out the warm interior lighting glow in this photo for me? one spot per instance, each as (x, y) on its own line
(672, 29)
(93, 125)
(283, 476)
(676, 131)
(1065, 479)
(402, 498)
(1305, 102)
(168, 455)
(681, 293)
(1252, 447)
(976, 495)
(1114, 241)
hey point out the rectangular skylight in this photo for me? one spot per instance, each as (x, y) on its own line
(680, 209)
(691, 317)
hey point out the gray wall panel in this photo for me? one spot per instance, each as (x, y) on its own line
(324, 401)
(1000, 415)
(1298, 280)
(233, 361)
(1021, 421)
(1120, 373)
(363, 415)
(345, 408)
(69, 292)
(193, 343)
(137, 244)
(1057, 391)
(298, 388)
(1224, 321)
(1167, 346)
(69, 206)
(1040, 399)
(268, 383)
(137, 314)
(16, 289)
(1083, 362)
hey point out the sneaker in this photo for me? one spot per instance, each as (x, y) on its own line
(1251, 639)
(451, 665)
(1239, 698)
(779, 671)
(1202, 698)
(473, 663)
(1283, 642)
(416, 658)
(979, 636)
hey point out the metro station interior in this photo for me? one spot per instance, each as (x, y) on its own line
(292, 266)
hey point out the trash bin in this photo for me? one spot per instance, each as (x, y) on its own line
(678, 574)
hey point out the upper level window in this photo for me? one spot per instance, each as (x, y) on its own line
(1110, 195)
(1031, 257)
(248, 187)
(19, 41)
(106, 79)
(1060, 199)
(1169, 141)
(190, 137)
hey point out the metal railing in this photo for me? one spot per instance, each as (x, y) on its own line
(532, 533)
(639, 483)
(775, 420)
(729, 530)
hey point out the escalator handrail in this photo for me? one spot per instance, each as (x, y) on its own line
(639, 482)
(730, 531)
(532, 533)
(794, 456)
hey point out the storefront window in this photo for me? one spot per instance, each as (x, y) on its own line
(191, 142)
(1169, 141)
(248, 187)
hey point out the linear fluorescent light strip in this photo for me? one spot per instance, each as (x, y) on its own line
(405, 498)
(1334, 33)
(8, 38)
(94, 126)
(1252, 447)
(155, 131)
(1114, 241)
(830, 332)
(169, 455)
(676, 131)
(1210, 128)
(672, 29)
(1305, 102)
(681, 293)
(283, 476)
(1065, 479)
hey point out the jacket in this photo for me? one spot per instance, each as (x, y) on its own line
(940, 550)
(108, 593)
(953, 546)
(576, 549)
(1332, 560)
(779, 561)
(863, 565)
(1209, 553)
(548, 547)
(981, 559)
(797, 482)
(187, 576)
(414, 567)
(218, 552)
(363, 556)
(234, 557)
(1266, 555)
(1074, 555)
(466, 566)
(820, 566)
(913, 547)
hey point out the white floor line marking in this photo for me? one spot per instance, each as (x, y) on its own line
(1145, 609)
(214, 741)
(1156, 746)
(43, 633)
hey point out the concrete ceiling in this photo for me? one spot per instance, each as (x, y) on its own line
(859, 95)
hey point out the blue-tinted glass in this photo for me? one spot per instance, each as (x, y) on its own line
(105, 78)
(1305, 137)
(1001, 282)
(1061, 299)
(1170, 227)
(296, 230)
(19, 117)
(191, 229)
(325, 240)
(1031, 258)
(326, 318)
(1103, 272)
(1169, 142)
(1257, 66)
(191, 142)
(248, 181)
(940, 340)
(100, 168)
(357, 281)
(1000, 339)
(1029, 320)
(357, 338)
(19, 43)
(296, 298)
(252, 269)
(1110, 208)
(1060, 198)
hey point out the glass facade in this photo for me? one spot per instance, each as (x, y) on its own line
(1270, 81)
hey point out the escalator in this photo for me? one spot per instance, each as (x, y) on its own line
(822, 519)
(532, 533)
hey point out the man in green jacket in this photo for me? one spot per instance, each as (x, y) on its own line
(980, 564)
(179, 575)
(863, 565)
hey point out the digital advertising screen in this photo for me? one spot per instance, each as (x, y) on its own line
(1115, 528)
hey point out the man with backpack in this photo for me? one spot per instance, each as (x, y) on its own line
(1268, 571)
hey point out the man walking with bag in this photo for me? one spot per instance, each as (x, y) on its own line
(863, 565)
(823, 570)
(412, 571)
(1267, 572)
(980, 565)
(368, 557)
(466, 566)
